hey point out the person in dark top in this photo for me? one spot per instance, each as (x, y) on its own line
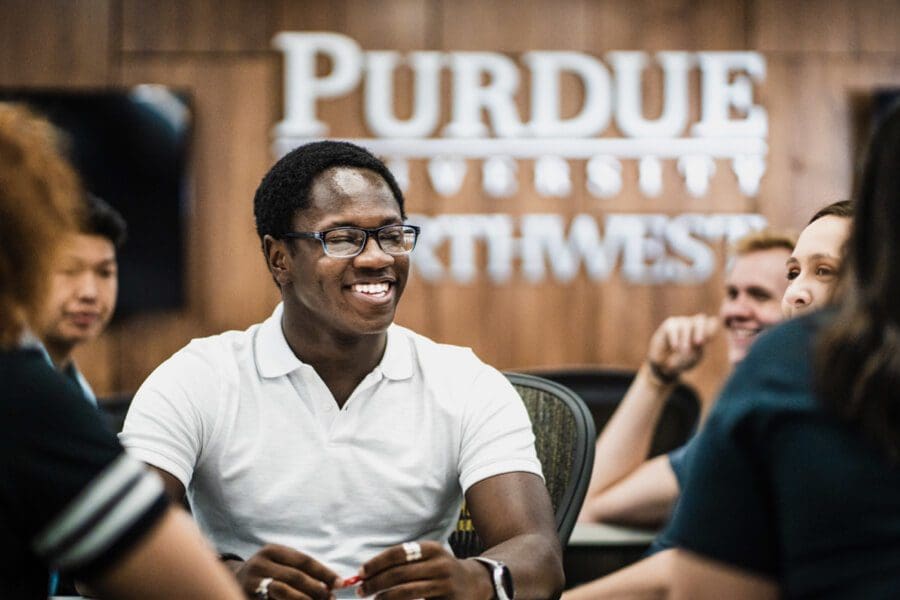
(70, 499)
(809, 284)
(794, 486)
(812, 271)
(627, 486)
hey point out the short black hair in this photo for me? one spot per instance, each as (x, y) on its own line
(284, 190)
(101, 219)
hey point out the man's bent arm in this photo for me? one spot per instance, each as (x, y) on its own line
(513, 516)
(174, 487)
(675, 347)
(621, 450)
(644, 498)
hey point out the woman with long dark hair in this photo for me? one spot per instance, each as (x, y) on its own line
(794, 488)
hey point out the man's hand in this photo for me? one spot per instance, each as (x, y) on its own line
(438, 574)
(293, 574)
(677, 345)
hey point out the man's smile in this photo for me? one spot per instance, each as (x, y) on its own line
(374, 289)
(743, 332)
(379, 292)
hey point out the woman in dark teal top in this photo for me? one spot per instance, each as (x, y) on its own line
(794, 484)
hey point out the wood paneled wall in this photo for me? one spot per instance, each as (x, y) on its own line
(821, 54)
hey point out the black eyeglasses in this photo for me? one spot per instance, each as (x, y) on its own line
(347, 242)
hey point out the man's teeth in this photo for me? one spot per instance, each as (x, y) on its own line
(371, 288)
(744, 333)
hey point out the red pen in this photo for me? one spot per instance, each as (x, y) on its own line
(352, 580)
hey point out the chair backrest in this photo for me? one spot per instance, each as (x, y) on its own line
(564, 440)
(602, 389)
(114, 409)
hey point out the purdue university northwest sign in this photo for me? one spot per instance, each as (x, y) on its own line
(486, 125)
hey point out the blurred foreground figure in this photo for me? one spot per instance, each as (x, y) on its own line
(794, 487)
(70, 498)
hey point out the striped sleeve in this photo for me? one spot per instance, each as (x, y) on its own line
(104, 520)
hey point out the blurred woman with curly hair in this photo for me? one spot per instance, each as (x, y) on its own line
(70, 499)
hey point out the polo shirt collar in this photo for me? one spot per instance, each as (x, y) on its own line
(397, 361)
(274, 357)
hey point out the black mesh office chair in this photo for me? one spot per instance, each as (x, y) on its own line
(602, 390)
(564, 440)
(113, 409)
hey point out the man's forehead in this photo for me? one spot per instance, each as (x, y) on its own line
(349, 181)
(343, 195)
(760, 268)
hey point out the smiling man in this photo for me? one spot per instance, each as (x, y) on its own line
(83, 287)
(628, 488)
(328, 444)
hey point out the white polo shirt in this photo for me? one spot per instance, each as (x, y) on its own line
(267, 457)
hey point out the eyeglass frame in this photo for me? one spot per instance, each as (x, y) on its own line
(373, 233)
